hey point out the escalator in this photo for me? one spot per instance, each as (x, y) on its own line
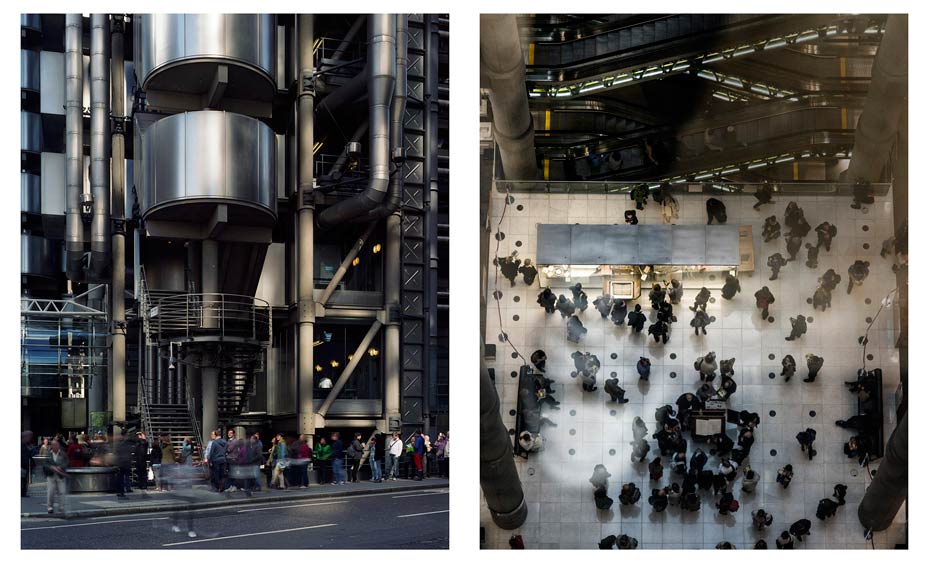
(672, 44)
(756, 132)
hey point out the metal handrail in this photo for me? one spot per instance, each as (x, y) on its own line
(143, 402)
(224, 313)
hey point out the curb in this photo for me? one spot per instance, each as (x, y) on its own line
(121, 511)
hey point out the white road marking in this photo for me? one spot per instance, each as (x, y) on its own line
(93, 523)
(248, 535)
(291, 506)
(422, 514)
(422, 494)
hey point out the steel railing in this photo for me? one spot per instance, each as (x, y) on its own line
(191, 411)
(214, 314)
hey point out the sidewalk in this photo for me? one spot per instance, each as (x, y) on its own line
(89, 505)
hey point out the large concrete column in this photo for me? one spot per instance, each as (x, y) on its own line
(209, 278)
(499, 481)
(888, 490)
(118, 212)
(305, 303)
(502, 64)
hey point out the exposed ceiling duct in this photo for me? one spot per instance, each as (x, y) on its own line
(503, 66)
(381, 74)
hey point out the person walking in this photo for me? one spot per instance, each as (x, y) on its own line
(612, 387)
(793, 213)
(141, 460)
(751, 478)
(56, 472)
(839, 491)
(830, 280)
(643, 366)
(25, 463)
(656, 295)
(798, 328)
(814, 363)
(793, 246)
(618, 313)
(419, 450)
(826, 508)
(812, 253)
(800, 529)
(124, 451)
(764, 299)
(784, 541)
(675, 291)
(566, 308)
(575, 329)
(508, 268)
(155, 459)
(775, 262)
(168, 462)
(761, 519)
(821, 298)
(659, 331)
(858, 272)
(629, 494)
(658, 500)
(187, 452)
(706, 365)
(825, 233)
(763, 195)
(637, 319)
(603, 305)
(700, 321)
(700, 300)
(580, 297)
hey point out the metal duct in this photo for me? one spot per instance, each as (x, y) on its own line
(878, 124)
(100, 145)
(398, 107)
(502, 64)
(74, 143)
(498, 472)
(381, 66)
(351, 90)
(117, 380)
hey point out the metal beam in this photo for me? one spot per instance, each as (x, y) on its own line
(214, 94)
(350, 368)
(343, 268)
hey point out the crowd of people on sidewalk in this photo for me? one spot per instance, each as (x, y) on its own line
(231, 462)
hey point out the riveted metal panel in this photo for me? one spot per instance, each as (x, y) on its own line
(413, 278)
(413, 331)
(413, 197)
(412, 305)
(413, 358)
(414, 252)
(413, 146)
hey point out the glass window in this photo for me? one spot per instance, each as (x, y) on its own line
(333, 348)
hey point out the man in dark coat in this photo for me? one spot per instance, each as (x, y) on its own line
(825, 233)
(612, 386)
(857, 274)
(546, 300)
(830, 280)
(637, 319)
(618, 313)
(763, 195)
(793, 245)
(716, 210)
(508, 268)
(771, 229)
(814, 363)
(565, 307)
(659, 331)
(141, 459)
(730, 287)
(798, 328)
(764, 299)
(529, 272)
(576, 329)
(700, 300)
(580, 297)
(603, 304)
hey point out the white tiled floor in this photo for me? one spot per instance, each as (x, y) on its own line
(561, 508)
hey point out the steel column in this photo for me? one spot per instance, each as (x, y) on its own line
(888, 490)
(118, 199)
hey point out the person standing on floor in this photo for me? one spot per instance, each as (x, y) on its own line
(730, 287)
(675, 292)
(576, 329)
(785, 475)
(659, 331)
(751, 478)
(529, 272)
(784, 541)
(643, 366)
(618, 313)
(580, 297)
(792, 214)
(822, 299)
(588, 380)
(798, 328)
(776, 262)
(788, 367)
(656, 295)
(355, 457)
(603, 305)
(825, 233)
(612, 387)
(637, 319)
(761, 519)
(508, 268)
(700, 322)
(806, 439)
(858, 272)
(764, 299)
(395, 449)
(629, 217)
(814, 363)
(839, 491)
(800, 529)
(56, 472)
(700, 300)
(812, 252)
(546, 300)
(826, 508)
(830, 280)
(339, 472)
(763, 195)
(771, 229)
(793, 246)
(565, 307)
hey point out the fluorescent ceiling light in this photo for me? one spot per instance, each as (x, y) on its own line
(784, 159)
(757, 165)
(775, 44)
(713, 59)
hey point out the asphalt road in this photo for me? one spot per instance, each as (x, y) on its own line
(399, 520)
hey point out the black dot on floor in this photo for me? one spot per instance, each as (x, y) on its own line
(612, 451)
(771, 319)
(813, 414)
(673, 355)
(512, 431)
(771, 375)
(516, 317)
(513, 374)
(513, 412)
(498, 295)
(519, 243)
(713, 299)
(516, 298)
(613, 412)
(865, 228)
(613, 374)
(531, 471)
(868, 319)
(865, 246)
(520, 207)
(499, 235)
(810, 319)
(868, 300)
(572, 432)
(771, 356)
(772, 413)
(870, 357)
(572, 412)
(809, 300)
(773, 453)
(574, 374)
(613, 356)
(514, 355)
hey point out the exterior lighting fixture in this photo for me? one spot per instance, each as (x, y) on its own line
(334, 363)
(356, 261)
(376, 248)
(373, 352)
(351, 356)
(318, 368)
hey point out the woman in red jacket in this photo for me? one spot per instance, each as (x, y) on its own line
(75, 453)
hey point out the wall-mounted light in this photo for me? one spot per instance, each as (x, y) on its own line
(376, 248)
(351, 356)
(373, 352)
(334, 363)
(356, 261)
(318, 368)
